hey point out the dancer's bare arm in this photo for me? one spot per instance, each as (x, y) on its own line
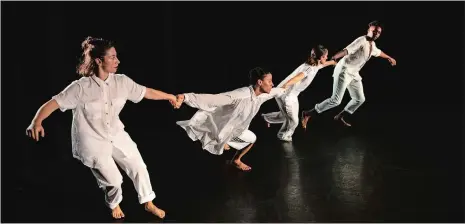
(294, 80)
(153, 94)
(66, 100)
(301, 75)
(137, 92)
(339, 54)
(351, 48)
(35, 129)
(328, 63)
(389, 58)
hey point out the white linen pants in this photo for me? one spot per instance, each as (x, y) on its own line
(109, 178)
(246, 138)
(288, 116)
(343, 81)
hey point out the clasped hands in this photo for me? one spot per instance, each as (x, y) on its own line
(178, 102)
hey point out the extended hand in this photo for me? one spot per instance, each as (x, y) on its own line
(34, 130)
(392, 61)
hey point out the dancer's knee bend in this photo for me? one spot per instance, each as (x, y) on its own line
(335, 100)
(252, 138)
(107, 178)
(249, 137)
(136, 166)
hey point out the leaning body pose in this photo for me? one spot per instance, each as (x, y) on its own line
(346, 75)
(99, 140)
(222, 120)
(297, 82)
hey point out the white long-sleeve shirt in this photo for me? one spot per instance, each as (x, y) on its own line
(223, 116)
(96, 127)
(358, 54)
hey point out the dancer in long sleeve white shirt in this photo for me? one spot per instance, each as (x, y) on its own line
(223, 119)
(98, 136)
(346, 75)
(297, 82)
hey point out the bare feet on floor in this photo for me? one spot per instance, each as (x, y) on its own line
(242, 166)
(304, 120)
(150, 207)
(226, 147)
(117, 213)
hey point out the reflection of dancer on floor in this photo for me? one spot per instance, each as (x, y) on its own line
(98, 136)
(346, 75)
(223, 119)
(297, 82)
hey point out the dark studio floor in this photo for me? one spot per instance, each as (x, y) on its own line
(400, 162)
(377, 171)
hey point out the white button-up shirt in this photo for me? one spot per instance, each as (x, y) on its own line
(309, 74)
(96, 127)
(358, 54)
(223, 116)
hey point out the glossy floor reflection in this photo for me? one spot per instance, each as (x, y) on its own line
(369, 173)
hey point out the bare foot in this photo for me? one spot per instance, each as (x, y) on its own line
(304, 120)
(226, 147)
(338, 117)
(267, 124)
(150, 207)
(242, 166)
(117, 213)
(345, 122)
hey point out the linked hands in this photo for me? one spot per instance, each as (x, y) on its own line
(178, 102)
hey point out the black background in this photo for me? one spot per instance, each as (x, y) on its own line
(210, 47)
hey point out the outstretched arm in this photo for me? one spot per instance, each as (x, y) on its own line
(153, 94)
(204, 101)
(294, 80)
(138, 92)
(351, 48)
(301, 75)
(339, 55)
(328, 63)
(389, 58)
(378, 53)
